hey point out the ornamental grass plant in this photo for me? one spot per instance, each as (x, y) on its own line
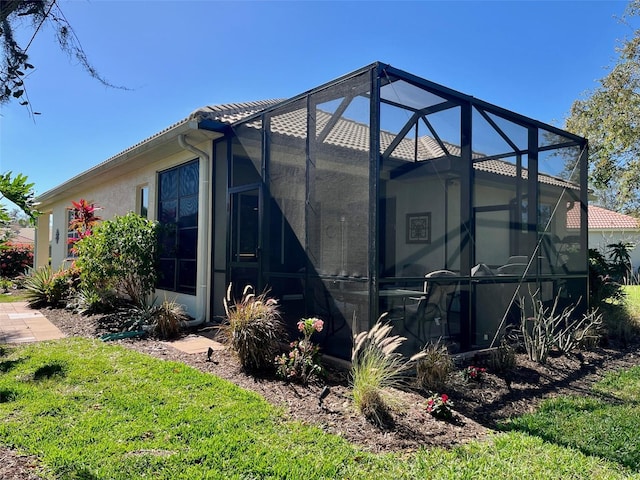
(168, 318)
(253, 328)
(434, 367)
(377, 366)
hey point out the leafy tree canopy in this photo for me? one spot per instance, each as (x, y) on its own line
(18, 191)
(609, 118)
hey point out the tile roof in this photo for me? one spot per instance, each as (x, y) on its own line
(226, 113)
(231, 112)
(602, 219)
(355, 135)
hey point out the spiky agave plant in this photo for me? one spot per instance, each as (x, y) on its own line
(254, 328)
(375, 366)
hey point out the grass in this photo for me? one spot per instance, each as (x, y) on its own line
(632, 300)
(89, 410)
(604, 424)
(14, 296)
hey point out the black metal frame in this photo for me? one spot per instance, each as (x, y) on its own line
(379, 74)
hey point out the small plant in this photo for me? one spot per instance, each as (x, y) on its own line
(473, 373)
(253, 329)
(83, 222)
(167, 319)
(5, 285)
(439, 406)
(303, 361)
(89, 299)
(376, 366)
(503, 358)
(434, 367)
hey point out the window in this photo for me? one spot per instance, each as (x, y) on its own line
(178, 218)
(72, 235)
(143, 198)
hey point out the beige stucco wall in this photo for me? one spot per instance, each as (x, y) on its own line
(118, 194)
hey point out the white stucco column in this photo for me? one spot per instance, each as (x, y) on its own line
(43, 236)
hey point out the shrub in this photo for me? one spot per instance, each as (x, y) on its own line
(602, 285)
(434, 367)
(303, 361)
(120, 255)
(253, 328)
(46, 287)
(375, 366)
(15, 260)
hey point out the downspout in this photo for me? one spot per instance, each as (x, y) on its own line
(205, 158)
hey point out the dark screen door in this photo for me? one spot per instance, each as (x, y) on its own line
(245, 238)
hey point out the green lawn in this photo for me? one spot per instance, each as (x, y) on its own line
(89, 410)
(14, 296)
(632, 300)
(605, 423)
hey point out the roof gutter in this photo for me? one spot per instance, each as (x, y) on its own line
(205, 168)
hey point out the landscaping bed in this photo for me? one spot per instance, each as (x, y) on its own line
(479, 406)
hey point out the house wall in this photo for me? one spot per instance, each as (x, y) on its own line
(424, 196)
(119, 195)
(599, 239)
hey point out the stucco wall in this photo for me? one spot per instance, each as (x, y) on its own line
(118, 194)
(599, 239)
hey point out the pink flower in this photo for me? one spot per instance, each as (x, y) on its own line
(301, 325)
(445, 397)
(318, 325)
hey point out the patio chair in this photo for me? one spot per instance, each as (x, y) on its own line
(434, 306)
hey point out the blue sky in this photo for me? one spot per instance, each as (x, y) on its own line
(535, 58)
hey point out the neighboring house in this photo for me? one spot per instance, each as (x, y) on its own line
(22, 237)
(341, 200)
(607, 227)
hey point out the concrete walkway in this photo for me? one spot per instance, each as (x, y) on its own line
(21, 324)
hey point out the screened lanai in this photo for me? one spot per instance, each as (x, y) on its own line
(381, 192)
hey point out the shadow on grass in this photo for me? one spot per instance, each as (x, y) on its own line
(7, 395)
(80, 474)
(7, 365)
(48, 371)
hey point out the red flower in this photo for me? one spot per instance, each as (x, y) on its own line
(445, 397)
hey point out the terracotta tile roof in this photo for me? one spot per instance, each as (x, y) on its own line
(603, 219)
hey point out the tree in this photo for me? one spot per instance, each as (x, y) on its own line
(608, 117)
(15, 58)
(20, 193)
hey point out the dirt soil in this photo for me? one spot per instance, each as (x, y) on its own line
(479, 406)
